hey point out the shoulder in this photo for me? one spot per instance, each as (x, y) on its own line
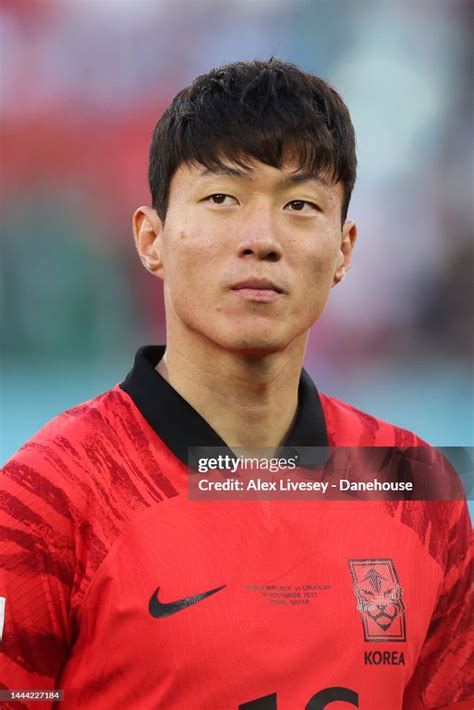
(348, 426)
(77, 483)
(78, 441)
(49, 510)
(77, 423)
(100, 454)
(438, 513)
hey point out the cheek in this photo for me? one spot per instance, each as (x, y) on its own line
(314, 277)
(190, 259)
(186, 253)
(318, 267)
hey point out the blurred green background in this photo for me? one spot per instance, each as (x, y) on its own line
(82, 85)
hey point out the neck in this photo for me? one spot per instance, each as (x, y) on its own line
(250, 401)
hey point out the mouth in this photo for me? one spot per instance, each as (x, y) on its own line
(258, 290)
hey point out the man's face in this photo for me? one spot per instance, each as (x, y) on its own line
(248, 256)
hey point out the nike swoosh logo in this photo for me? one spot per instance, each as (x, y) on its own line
(159, 610)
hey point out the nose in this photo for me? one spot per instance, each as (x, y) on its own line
(259, 238)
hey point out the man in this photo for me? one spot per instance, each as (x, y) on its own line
(121, 590)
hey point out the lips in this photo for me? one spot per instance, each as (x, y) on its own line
(258, 290)
(257, 285)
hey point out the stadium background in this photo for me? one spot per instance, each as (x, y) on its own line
(82, 85)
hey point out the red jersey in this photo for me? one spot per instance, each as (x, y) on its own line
(121, 591)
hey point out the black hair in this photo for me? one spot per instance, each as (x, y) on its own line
(259, 110)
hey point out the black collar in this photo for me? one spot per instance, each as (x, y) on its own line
(179, 426)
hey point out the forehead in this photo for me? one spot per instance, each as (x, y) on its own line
(253, 173)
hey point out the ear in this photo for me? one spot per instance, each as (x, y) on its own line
(147, 231)
(348, 240)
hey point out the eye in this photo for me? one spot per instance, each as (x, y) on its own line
(302, 206)
(221, 199)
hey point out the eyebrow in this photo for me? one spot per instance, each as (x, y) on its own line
(298, 178)
(224, 170)
(292, 179)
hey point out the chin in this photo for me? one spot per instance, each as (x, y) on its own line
(253, 338)
(254, 344)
